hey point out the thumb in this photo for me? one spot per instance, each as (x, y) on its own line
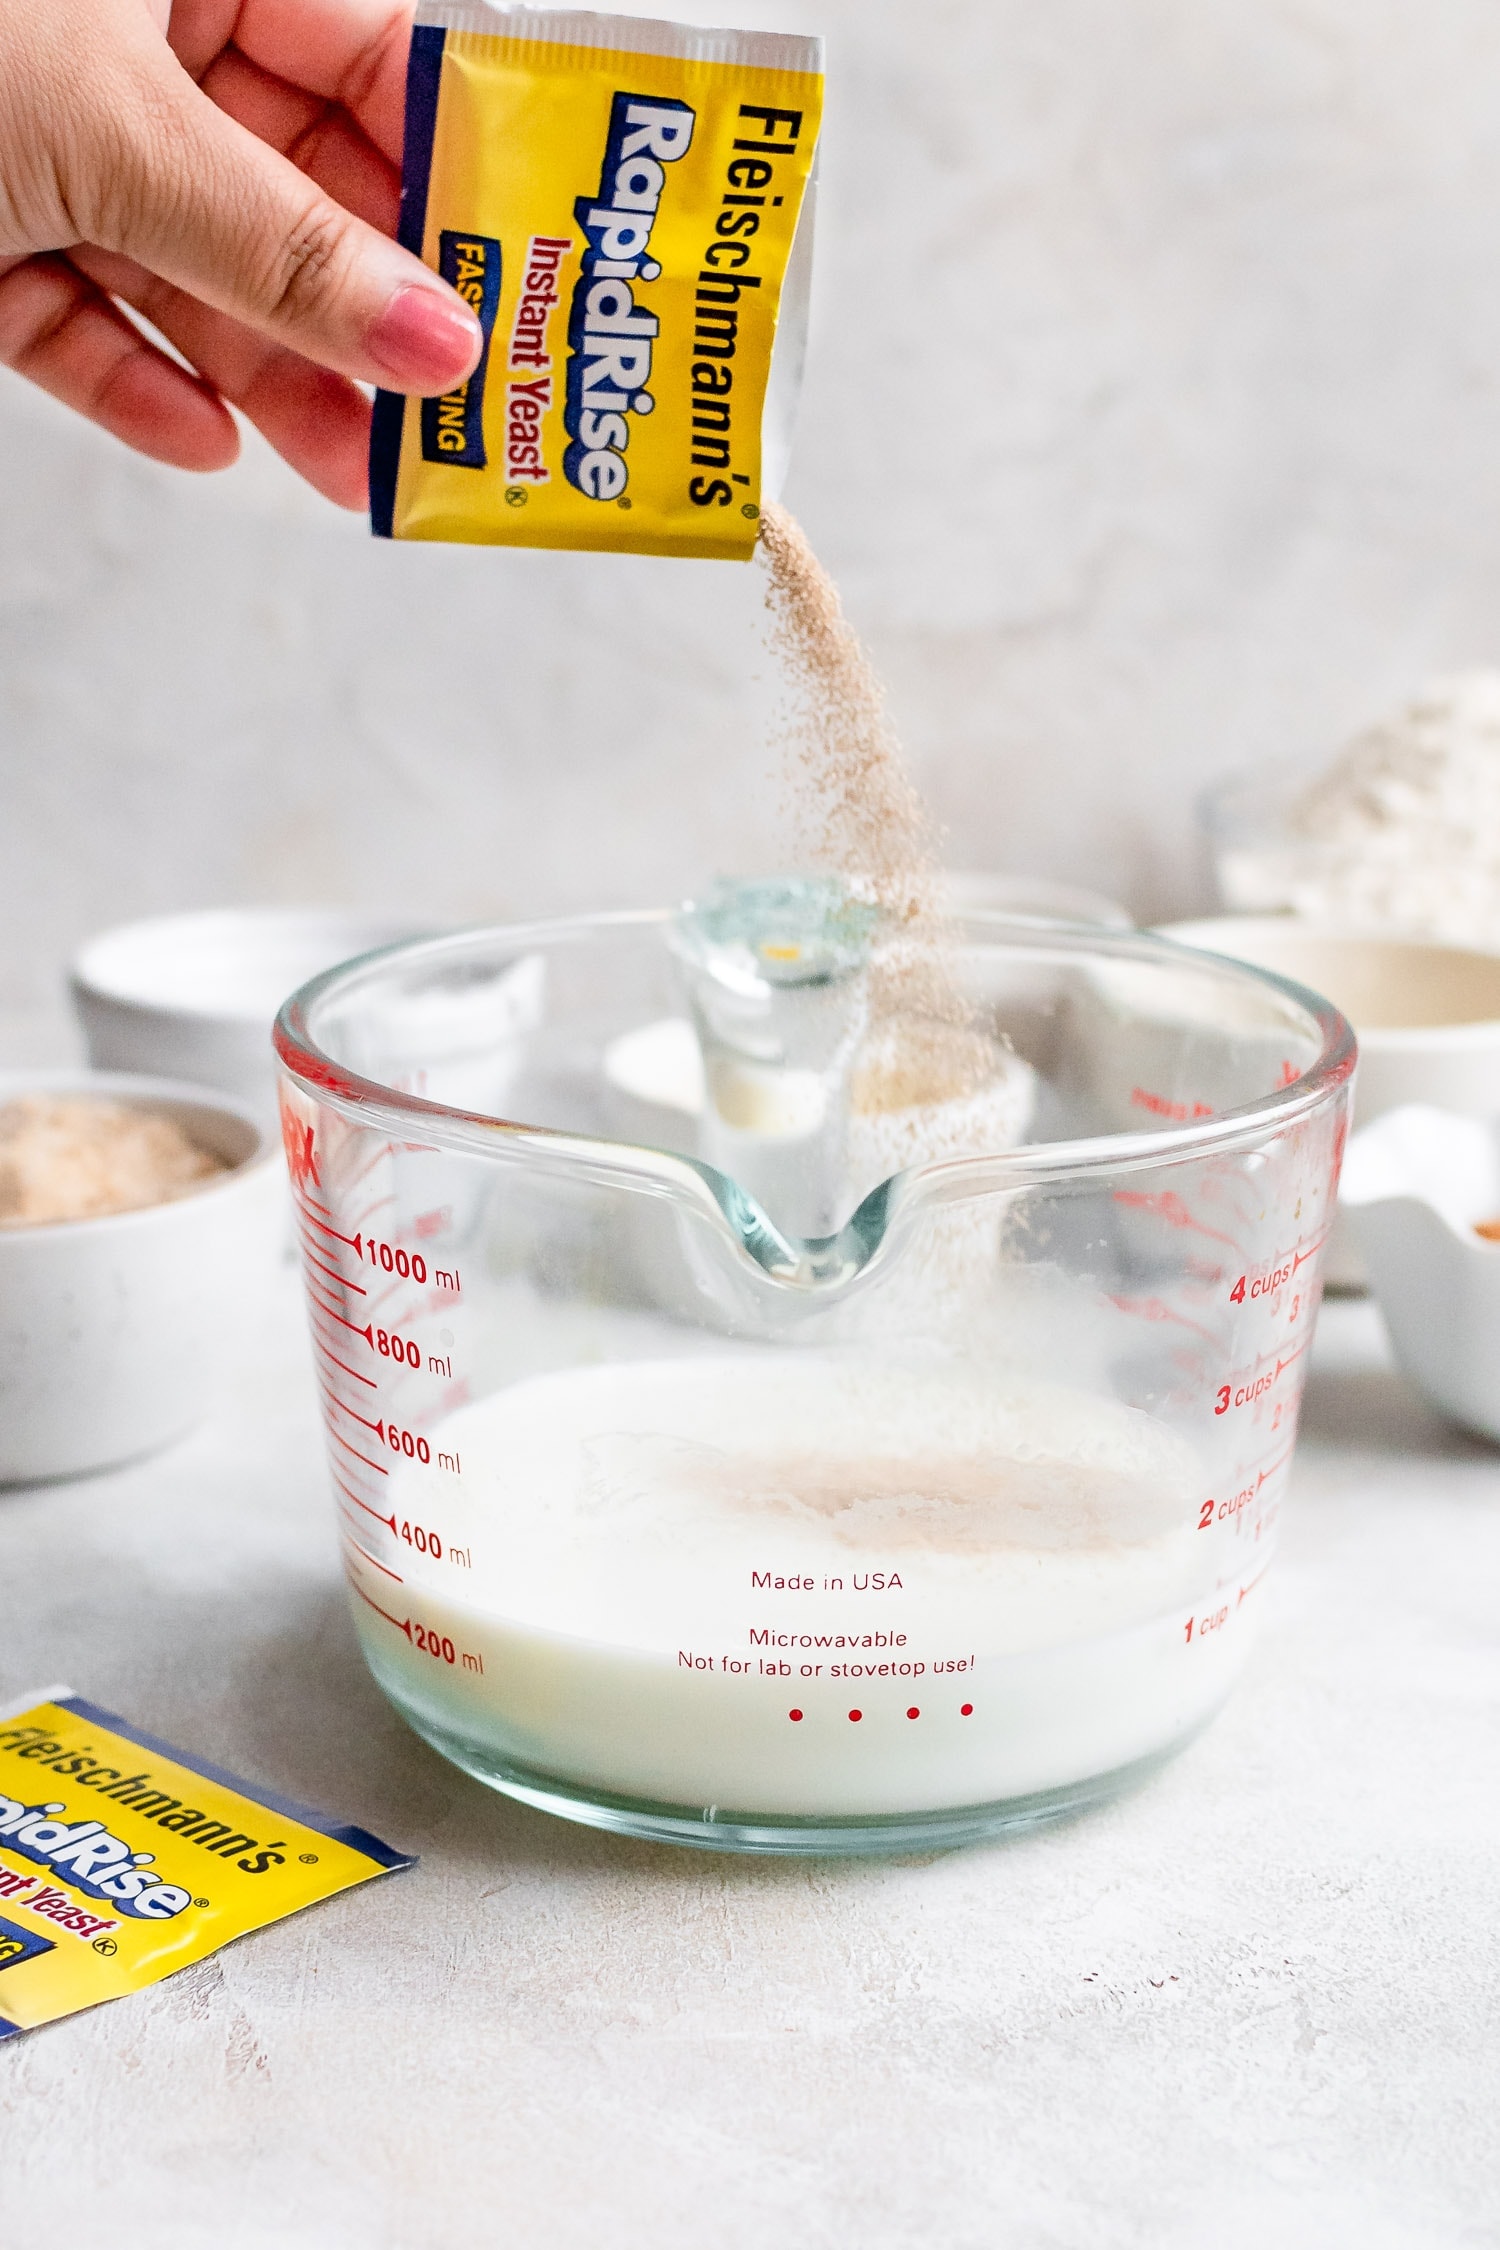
(200, 201)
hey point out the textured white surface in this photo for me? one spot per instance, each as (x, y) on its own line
(1253, 2005)
(1150, 427)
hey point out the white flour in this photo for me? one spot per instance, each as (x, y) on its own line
(1403, 830)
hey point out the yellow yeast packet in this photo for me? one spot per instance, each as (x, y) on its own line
(627, 205)
(121, 1860)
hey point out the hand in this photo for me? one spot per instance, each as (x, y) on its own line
(236, 181)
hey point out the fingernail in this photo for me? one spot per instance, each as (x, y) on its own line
(425, 338)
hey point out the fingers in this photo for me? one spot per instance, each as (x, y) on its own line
(194, 197)
(319, 138)
(60, 330)
(348, 51)
(317, 421)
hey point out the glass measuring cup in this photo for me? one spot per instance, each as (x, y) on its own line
(805, 1510)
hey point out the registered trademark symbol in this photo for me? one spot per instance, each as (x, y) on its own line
(515, 496)
(748, 508)
(200, 1902)
(627, 503)
(105, 1945)
(308, 1859)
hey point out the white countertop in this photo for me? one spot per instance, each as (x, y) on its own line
(1252, 2007)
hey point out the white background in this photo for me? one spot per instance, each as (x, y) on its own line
(1151, 429)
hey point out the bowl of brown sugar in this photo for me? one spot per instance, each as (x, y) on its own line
(140, 1230)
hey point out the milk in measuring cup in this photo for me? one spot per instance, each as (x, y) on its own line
(821, 1584)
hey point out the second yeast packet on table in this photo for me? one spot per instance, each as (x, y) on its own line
(123, 1859)
(626, 206)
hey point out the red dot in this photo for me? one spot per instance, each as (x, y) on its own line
(966, 1710)
(914, 1713)
(856, 1714)
(794, 1714)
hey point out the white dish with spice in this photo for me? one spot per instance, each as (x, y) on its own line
(117, 1324)
(1422, 1192)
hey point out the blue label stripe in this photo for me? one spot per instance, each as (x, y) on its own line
(358, 1839)
(9, 2030)
(18, 1945)
(453, 425)
(424, 70)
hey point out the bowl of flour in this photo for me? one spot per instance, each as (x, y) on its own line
(1400, 833)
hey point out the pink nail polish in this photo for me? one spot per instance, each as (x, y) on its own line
(427, 341)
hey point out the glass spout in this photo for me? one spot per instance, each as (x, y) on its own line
(777, 980)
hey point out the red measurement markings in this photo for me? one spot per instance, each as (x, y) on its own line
(1312, 1249)
(404, 1350)
(1157, 1309)
(402, 1624)
(343, 1366)
(1213, 1621)
(1245, 1494)
(350, 1494)
(1170, 1207)
(325, 1228)
(437, 1645)
(1250, 1287)
(301, 1155)
(399, 1440)
(373, 1560)
(1229, 1395)
(356, 1242)
(333, 1273)
(1162, 1105)
(1264, 1476)
(368, 1331)
(392, 1258)
(377, 1427)
(378, 1466)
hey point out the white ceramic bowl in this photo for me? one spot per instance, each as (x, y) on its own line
(1416, 1184)
(116, 1333)
(194, 995)
(1427, 1015)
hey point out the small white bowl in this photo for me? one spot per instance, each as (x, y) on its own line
(1416, 1184)
(116, 1332)
(194, 995)
(1427, 1016)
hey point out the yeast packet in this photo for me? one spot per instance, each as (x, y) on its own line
(122, 1859)
(627, 206)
